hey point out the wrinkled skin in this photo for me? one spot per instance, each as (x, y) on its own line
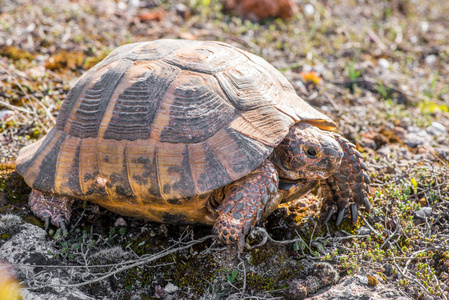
(307, 156)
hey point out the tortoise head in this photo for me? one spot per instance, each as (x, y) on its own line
(307, 152)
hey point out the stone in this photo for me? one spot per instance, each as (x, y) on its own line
(436, 129)
(352, 288)
(297, 289)
(171, 288)
(326, 273)
(423, 213)
(417, 137)
(257, 10)
(28, 246)
(383, 63)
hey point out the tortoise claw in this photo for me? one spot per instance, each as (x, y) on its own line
(63, 226)
(329, 215)
(366, 203)
(47, 223)
(354, 213)
(340, 216)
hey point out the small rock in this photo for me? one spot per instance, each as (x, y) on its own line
(187, 36)
(297, 289)
(350, 288)
(5, 113)
(363, 230)
(182, 10)
(417, 137)
(443, 152)
(326, 273)
(171, 288)
(430, 59)
(152, 16)
(436, 129)
(37, 72)
(120, 222)
(257, 10)
(385, 150)
(309, 9)
(399, 131)
(424, 26)
(388, 270)
(383, 63)
(368, 143)
(423, 213)
(363, 279)
(313, 284)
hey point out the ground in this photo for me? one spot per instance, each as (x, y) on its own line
(380, 69)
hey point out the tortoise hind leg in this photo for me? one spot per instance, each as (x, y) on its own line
(246, 202)
(51, 208)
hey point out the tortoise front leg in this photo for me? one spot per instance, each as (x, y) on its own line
(51, 208)
(246, 202)
(348, 186)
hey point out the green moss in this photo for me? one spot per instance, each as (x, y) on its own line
(257, 282)
(65, 60)
(279, 265)
(12, 186)
(32, 219)
(5, 236)
(16, 53)
(192, 272)
(132, 276)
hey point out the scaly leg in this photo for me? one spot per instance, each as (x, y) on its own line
(48, 207)
(348, 186)
(246, 202)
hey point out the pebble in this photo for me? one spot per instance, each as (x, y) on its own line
(382, 62)
(368, 143)
(120, 222)
(5, 113)
(309, 9)
(388, 270)
(297, 289)
(417, 137)
(363, 279)
(363, 230)
(423, 213)
(384, 151)
(443, 152)
(430, 59)
(436, 129)
(171, 288)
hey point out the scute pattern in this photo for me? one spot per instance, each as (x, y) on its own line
(205, 57)
(84, 121)
(135, 108)
(157, 126)
(197, 111)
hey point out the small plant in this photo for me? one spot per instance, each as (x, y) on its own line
(383, 91)
(352, 73)
(232, 276)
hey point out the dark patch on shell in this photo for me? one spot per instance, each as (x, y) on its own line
(45, 180)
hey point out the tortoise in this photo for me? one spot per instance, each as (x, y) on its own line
(179, 131)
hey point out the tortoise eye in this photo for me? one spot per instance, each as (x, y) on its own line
(311, 153)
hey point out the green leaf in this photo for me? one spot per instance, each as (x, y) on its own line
(296, 246)
(233, 276)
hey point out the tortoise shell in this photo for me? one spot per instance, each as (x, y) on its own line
(156, 126)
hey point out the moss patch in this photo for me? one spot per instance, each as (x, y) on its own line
(13, 188)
